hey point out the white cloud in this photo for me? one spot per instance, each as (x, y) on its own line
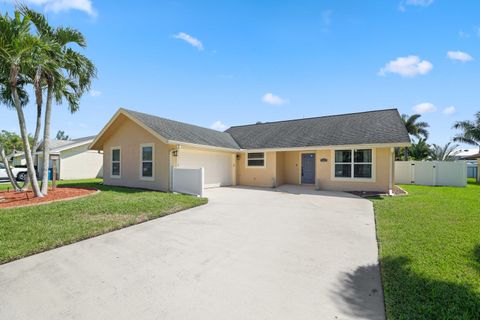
(408, 66)
(65, 5)
(189, 39)
(463, 34)
(95, 93)
(421, 3)
(459, 56)
(449, 110)
(270, 98)
(219, 126)
(424, 107)
(417, 3)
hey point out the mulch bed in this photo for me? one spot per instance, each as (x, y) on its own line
(9, 199)
(397, 191)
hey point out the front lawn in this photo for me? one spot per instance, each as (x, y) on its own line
(430, 252)
(24, 231)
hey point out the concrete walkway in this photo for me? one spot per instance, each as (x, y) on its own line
(288, 253)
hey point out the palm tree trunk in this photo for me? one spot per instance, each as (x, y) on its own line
(38, 126)
(12, 179)
(46, 138)
(26, 144)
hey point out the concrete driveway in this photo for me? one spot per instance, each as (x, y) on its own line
(288, 253)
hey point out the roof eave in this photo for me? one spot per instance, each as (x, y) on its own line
(346, 146)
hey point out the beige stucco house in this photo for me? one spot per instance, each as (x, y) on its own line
(349, 152)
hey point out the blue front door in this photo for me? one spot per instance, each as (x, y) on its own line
(308, 168)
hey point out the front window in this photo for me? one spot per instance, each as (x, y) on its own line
(147, 161)
(353, 163)
(256, 159)
(116, 162)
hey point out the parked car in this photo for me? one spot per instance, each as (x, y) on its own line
(19, 173)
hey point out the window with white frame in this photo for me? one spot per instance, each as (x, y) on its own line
(356, 163)
(256, 159)
(146, 155)
(116, 158)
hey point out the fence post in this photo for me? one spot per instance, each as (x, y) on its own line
(434, 174)
(412, 172)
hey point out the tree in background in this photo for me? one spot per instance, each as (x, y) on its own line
(415, 128)
(67, 73)
(9, 142)
(61, 135)
(419, 150)
(18, 49)
(447, 152)
(470, 131)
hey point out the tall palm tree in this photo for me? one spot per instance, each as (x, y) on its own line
(470, 131)
(447, 152)
(6, 99)
(17, 47)
(66, 72)
(417, 129)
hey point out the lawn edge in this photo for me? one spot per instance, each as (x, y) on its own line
(380, 267)
(96, 234)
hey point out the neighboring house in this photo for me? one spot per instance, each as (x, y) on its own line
(350, 152)
(75, 160)
(471, 159)
(17, 158)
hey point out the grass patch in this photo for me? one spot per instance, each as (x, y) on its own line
(28, 230)
(430, 252)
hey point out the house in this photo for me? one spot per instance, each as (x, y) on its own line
(17, 158)
(348, 152)
(75, 160)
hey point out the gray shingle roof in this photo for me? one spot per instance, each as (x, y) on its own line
(63, 144)
(372, 127)
(184, 132)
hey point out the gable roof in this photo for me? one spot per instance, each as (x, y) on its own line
(371, 127)
(61, 145)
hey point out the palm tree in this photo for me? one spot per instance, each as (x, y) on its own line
(61, 135)
(471, 131)
(417, 129)
(66, 72)
(446, 153)
(419, 150)
(17, 47)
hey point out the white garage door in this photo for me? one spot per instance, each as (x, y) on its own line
(218, 166)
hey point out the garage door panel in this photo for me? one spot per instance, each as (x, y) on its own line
(217, 166)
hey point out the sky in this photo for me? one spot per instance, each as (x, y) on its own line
(222, 63)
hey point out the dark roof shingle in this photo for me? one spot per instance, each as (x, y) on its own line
(371, 127)
(184, 132)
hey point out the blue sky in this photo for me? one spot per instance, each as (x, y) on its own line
(223, 63)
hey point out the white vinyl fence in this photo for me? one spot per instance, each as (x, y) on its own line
(431, 173)
(189, 181)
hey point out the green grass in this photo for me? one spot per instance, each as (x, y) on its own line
(28, 230)
(430, 252)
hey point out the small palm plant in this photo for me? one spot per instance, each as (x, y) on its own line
(448, 152)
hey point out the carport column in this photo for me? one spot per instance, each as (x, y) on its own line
(392, 168)
(172, 163)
